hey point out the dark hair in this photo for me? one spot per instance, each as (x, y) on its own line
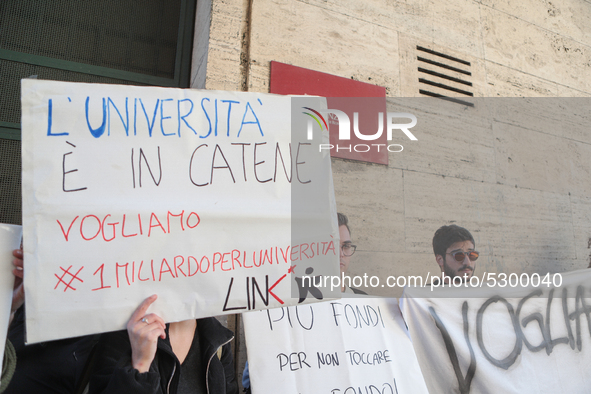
(446, 236)
(343, 221)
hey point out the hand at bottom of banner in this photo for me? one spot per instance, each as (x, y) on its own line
(144, 331)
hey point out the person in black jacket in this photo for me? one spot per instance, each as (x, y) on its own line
(48, 367)
(192, 356)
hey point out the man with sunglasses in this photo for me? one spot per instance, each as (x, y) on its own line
(454, 252)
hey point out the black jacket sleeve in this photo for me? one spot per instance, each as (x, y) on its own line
(228, 364)
(113, 372)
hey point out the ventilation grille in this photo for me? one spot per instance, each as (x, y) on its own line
(10, 182)
(13, 72)
(136, 36)
(444, 76)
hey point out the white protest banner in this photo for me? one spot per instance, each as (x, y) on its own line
(347, 346)
(10, 239)
(534, 339)
(132, 191)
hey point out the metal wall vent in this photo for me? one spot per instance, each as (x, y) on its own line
(444, 76)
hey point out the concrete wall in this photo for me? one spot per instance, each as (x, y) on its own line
(534, 49)
(519, 182)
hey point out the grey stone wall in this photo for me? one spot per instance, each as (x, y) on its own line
(519, 181)
(530, 49)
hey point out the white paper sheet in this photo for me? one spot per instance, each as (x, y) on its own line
(506, 340)
(132, 191)
(353, 345)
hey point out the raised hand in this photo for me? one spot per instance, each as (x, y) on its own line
(144, 331)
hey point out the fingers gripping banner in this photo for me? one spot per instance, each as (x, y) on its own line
(133, 191)
(534, 339)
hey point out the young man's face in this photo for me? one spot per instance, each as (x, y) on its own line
(451, 267)
(345, 239)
